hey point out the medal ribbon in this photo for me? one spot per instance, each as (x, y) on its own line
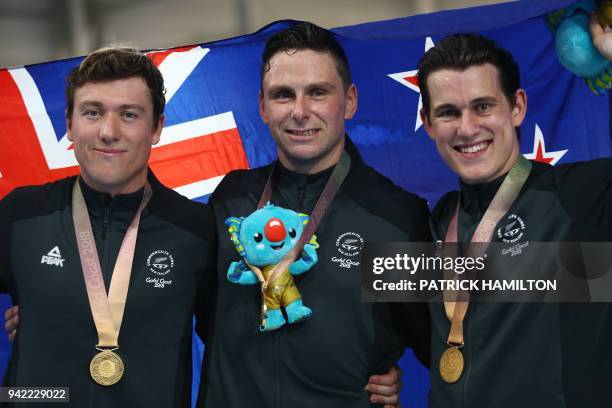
(318, 213)
(107, 312)
(502, 201)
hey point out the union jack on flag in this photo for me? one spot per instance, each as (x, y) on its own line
(197, 148)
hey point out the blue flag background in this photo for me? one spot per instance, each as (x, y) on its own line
(565, 121)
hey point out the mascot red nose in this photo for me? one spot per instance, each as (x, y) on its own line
(275, 230)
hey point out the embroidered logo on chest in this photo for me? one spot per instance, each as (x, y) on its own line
(53, 257)
(159, 262)
(349, 245)
(511, 229)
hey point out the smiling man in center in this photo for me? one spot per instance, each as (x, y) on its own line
(306, 96)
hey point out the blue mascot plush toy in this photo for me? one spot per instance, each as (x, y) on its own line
(574, 45)
(263, 239)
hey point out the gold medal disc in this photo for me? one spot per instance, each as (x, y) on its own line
(106, 368)
(451, 365)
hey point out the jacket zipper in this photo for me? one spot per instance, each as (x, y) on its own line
(277, 391)
(301, 194)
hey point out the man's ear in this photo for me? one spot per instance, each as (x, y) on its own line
(157, 131)
(351, 102)
(69, 127)
(262, 110)
(519, 110)
(426, 123)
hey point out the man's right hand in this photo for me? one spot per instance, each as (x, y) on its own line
(602, 37)
(11, 322)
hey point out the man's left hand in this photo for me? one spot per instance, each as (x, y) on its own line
(385, 388)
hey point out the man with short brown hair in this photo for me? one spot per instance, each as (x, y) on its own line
(71, 249)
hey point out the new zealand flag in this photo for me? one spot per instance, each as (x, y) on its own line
(212, 122)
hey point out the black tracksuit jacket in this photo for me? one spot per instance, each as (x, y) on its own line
(549, 355)
(324, 361)
(57, 337)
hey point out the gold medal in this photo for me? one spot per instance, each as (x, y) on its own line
(106, 368)
(451, 365)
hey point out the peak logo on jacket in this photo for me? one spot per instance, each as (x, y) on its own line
(53, 257)
(159, 262)
(348, 244)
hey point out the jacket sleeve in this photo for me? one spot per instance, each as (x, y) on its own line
(586, 193)
(414, 317)
(5, 244)
(415, 323)
(207, 291)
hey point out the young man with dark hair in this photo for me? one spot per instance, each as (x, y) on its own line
(325, 361)
(70, 250)
(515, 354)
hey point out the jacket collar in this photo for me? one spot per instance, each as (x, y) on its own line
(100, 204)
(475, 198)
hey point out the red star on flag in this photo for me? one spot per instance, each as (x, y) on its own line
(409, 79)
(539, 152)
